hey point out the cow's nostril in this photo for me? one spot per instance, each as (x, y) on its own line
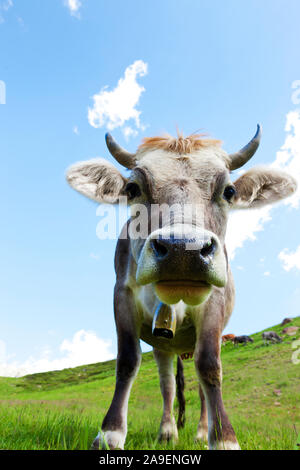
(159, 248)
(208, 249)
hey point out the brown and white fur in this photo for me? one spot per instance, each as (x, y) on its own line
(198, 283)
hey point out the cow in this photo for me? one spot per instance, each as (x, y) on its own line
(242, 339)
(290, 330)
(174, 288)
(285, 321)
(226, 338)
(271, 336)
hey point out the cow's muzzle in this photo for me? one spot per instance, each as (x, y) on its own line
(183, 263)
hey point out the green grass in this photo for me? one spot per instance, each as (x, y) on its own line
(64, 409)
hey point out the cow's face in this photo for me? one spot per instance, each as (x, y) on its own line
(187, 198)
(180, 193)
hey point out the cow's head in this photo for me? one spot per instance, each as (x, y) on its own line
(182, 255)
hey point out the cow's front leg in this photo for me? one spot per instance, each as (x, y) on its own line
(114, 426)
(168, 428)
(208, 366)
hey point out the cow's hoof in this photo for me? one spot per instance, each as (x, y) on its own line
(227, 445)
(168, 432)
(109, 440)
(202, 434)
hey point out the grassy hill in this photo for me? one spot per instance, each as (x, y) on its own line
(64, 409)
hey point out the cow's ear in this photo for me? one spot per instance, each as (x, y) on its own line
(97, 179)
(260, 186)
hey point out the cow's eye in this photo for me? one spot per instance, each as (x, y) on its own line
(229, 192)
(132, 190)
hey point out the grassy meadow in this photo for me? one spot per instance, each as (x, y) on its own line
(64, 409)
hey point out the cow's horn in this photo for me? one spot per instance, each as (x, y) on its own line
(121, 155)
(241, 157)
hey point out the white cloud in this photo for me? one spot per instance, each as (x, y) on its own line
(4, 7)
(288, 157)
(116, 107)
(244, 225)
(290, 260)
(21, 22)
(267, 273)
(94, 256)
(84, 348)
(76, 130)
(74, 7)
(129, 132)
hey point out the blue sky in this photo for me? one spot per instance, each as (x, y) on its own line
(216, 66)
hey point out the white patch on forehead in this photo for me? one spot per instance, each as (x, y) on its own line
(158, 161)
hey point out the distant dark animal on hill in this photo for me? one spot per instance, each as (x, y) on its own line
(242, 339)
(285, 321)
(271, 336)
(226, 338)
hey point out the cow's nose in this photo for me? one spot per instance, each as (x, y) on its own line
(164, 248)
(182, 254)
